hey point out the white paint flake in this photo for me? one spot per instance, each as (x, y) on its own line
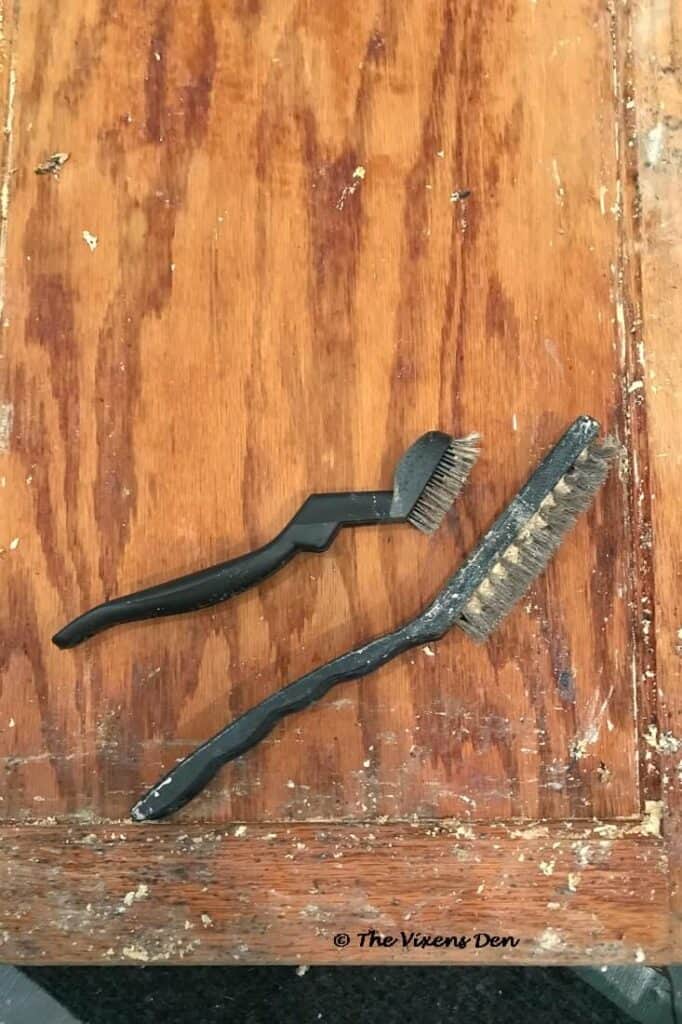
(6, 420)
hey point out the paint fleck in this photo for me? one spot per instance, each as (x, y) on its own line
(573, 881)
(14, 544)
(651, 821)
(583, 853)
(6, 420)
(459, 194)
(532, 832)
(349, 190)
(663, 743)
(140, 893)
(90, 240)
(302, 969)
(429, 653)
(653, 144)
(135, 953)
(465, 832)
(291, 784)
(240, 831)
(608, 830)
(547, 867)
(602, 199)
(207, 921)
(636, 385)
(550, 940)
(578, 748)
(640, 955)
(11, 723)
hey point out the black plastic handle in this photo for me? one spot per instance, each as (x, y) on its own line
(190, 776)
(188, 593)
(313, 528)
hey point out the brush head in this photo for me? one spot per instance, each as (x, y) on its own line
(429, 477)
(514, 568)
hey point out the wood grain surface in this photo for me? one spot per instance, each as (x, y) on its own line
(256, 277)
(260, 319)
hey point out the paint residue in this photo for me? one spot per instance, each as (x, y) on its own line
(6, 420)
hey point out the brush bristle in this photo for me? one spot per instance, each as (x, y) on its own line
(445, 483)
(516, 568)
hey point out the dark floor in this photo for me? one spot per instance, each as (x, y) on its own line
(207, 995)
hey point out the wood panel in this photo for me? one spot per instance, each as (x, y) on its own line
(284, 291)
(570, 893)
(255, 322)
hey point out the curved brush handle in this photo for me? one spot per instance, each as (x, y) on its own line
(313, 528)
(187, 593)
(190, 776)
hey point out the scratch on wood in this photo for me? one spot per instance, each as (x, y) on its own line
(579, 745)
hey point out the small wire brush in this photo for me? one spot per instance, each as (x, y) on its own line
(426, 482)
(513, 552)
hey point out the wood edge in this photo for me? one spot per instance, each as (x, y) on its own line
(8, 23)
(629, 330)
(570, 892)
(656, 130)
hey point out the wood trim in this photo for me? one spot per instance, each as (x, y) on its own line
(279, 894)
(658, 93)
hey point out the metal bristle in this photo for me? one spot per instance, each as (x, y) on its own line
(445, 483)
(514, 571)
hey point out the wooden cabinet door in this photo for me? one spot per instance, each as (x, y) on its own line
(289, 238)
